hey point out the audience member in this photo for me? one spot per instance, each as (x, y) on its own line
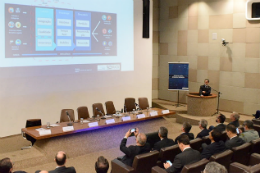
(257, 114)
(203, 127)
(60, 160)
(186, 126)
(241, 129)
(6, 166)
(101, 165)
(220, 120)
(133, 150)
(214, 167)
(187, 156)
(216, 146)
(249, 134)
(164, 142)
(234, 117)
(234, 140)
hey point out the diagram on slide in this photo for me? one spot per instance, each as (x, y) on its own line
(32, 31)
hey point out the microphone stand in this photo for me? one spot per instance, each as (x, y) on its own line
(217, 112)
(70, 123)
(103, 116)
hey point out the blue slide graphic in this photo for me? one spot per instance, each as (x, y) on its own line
(83, 30)
(178, 76)
(64, 30)
(44, 29)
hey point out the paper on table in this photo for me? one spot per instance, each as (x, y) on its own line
(126, 118)
(154, 113)
(165, 111)
(67, 128)
(44, 132)
(107, 116)
(86, 121)
(111, 121)
(54, 125)
(93, 124)
(140, 116)
(40, 129)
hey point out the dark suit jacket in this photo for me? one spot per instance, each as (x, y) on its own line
(186, 157)
(235, 123)
(204, 132)
(190, 135)
(234, 142)
(221, 127)
(132, 151)
(19, 172)
(63, 169)
(213, 148)
(204, 88)
(163, 143)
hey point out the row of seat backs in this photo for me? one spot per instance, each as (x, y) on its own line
(110, 109)
(235, 167)
(238, 154)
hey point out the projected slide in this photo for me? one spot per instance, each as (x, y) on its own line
(178, 76)
(37, 31)
(95, 35)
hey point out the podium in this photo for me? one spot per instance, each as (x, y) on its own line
(201, 106)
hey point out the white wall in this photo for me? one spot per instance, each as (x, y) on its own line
(44, 96)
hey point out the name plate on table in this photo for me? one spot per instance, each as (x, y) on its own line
(86, 121)
(111, 121)
(140, 116)
(126, 118)
(153, 113)
(68, 128)
(165, 111)
(94, 124)
(44, 132)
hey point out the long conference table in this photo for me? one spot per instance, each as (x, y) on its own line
(61, 129)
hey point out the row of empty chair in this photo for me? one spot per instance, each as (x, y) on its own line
(98, 109)
(241, 156)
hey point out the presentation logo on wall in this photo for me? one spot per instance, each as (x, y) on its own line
(110, 31)
(11, 10)
(18, 42)
(110, 43)
(109, 18)
(104, 43)
(11, 24)
(18, 25)
(104, 17)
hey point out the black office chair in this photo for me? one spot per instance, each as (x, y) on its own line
(31, 123)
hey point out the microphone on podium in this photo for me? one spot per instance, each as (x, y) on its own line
(103, 116)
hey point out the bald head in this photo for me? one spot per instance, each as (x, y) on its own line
(43, 171)
(141, 139)
(60, 158)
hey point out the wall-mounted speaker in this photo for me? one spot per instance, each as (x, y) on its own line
(146, 18)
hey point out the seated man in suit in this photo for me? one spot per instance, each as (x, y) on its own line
(234, 119)
(216, 146)
(186, 126)
(133, 150)
(187, 156)
(101, 165)
(6, 166)
(214, 167)
(220, 120)
(205, 89)
(234, 140)
(60, 160)
(203, 127)
(164, 142)
(249, 134)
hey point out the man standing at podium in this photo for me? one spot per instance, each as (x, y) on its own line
(205, 89)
